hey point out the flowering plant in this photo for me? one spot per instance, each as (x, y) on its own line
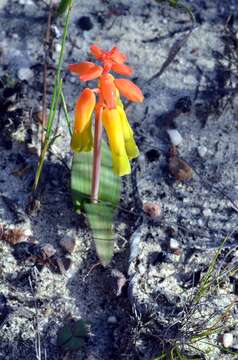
(109, 112)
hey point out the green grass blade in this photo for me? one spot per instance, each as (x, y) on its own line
(55, 98)
(66, 114)
(207, 278)
(47, 143)
(100, 215)
(63, 7)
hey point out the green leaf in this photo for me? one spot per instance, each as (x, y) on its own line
(100, 215)
(72, 335)
(100, 218)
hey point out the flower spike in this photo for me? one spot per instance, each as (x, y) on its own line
(109, 111)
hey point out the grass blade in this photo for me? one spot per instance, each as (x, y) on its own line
(67, 117)
(55, 99)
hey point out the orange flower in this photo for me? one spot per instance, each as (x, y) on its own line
(86, 70)
(119, 132)
(128, 89)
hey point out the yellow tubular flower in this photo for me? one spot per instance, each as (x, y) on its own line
(82, 135)
(131, 147)
(112, 124)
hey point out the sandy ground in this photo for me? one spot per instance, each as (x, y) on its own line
(188, 73)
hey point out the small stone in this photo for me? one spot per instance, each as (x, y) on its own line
(200, 222)
(180, 169)
(152, 209)
(173, 244)
(175, 137)
(227, 340)
(112, 319)
(58, 48)
(134, 244)
(202, 150)
(68, 243)
(141, 269)
(25, 74)
(56, 31)
(207, 212)
(141, 162)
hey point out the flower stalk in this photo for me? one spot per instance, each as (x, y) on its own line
(97, 155)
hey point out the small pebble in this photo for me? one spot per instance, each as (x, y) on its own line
(202, 150)
(207, 212)
(134, 244)
(173, 244)
(56, 31)
(227, 340)
(141, 162)
(25, 74)
(68, 243)
(112, 320)
(200, 222)
(175, 137)
(180, 169)
(152, 209)
(58, 48)
(141, 269)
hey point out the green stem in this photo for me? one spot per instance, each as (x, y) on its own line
(55, 99)
(66, 112)
(46, 144)
(97, 155)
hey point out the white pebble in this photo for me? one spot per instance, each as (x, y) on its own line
(57, 47)
(200, 222)
(227, 340)
(28, 232)
(25, 74)
(56, 31)
(134, 244)
(207, 212)
(202, 150)
(173, 244)
(175, 137)
(141, 269)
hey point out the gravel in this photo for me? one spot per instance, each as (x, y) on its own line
(160, 260)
